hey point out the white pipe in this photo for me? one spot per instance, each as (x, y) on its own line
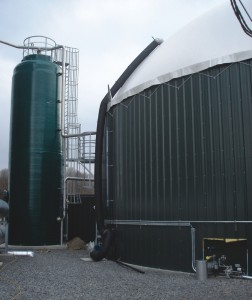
(193, 248)
(169, 223)
(62, 122)
(246, 277)
(21, 253)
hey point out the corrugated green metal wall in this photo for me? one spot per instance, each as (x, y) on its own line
(182, 151)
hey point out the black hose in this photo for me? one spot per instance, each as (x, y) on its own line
(107, 237)
(129, 267)
(99, 142)
(240, 17)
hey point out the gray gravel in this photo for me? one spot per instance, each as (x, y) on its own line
(61, 274)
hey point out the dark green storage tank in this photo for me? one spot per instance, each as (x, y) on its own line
(35, 154)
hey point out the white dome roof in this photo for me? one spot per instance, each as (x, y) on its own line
(214, 38)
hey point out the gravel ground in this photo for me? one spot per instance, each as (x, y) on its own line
(62, 274)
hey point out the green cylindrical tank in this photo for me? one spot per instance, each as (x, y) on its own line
(35, 160)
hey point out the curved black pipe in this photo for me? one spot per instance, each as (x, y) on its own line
(99, 144)
(107, 237)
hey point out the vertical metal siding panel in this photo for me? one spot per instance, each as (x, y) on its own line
(196, 126)
(202, 210)
(235, 117)
(130, 158)
(220, 180)
(237, 135)
(117, 162)
(154, 154)
(176, 152)
(126, 191)
(135, 207)
(126, 171)
(228, 143)
(111, 149)
(237, 83)
(220, 164)
(117, 165)
(173, 149)
(181, 150)
(212, 146)
(105, 178)
(246, 94)
(157, 97)
(141, 156)
(190, 148)
(169, 150)
(216, 148)
(166, 170)
(210, 204)
(181, 161)
(144, 149)
(120, 161)
(160, 148)
(152, 99)
(148, 175)
(124, 180)
(109, 154)
(104, 163)
(163, 162)
(185, 204)
(111, 161)
(132, 212)
(137, 159)
(199, 152)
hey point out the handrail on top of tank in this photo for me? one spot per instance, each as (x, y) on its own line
(32, 47)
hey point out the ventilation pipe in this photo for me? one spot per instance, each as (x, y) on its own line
(106, 233)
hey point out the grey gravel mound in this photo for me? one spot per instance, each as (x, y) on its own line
(61, 274)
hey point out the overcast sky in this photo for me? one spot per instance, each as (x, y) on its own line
(108, 33)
